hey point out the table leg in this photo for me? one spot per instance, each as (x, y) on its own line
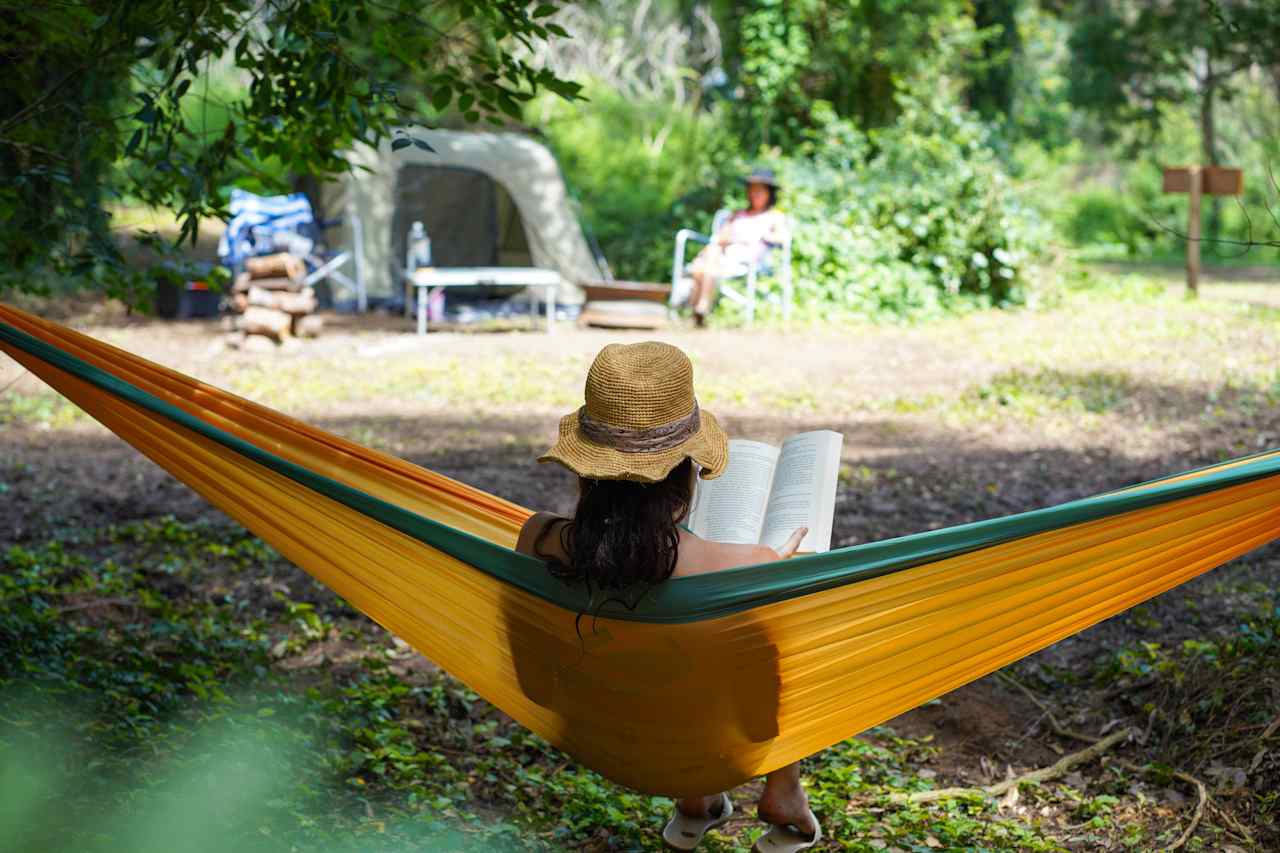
(422, 309)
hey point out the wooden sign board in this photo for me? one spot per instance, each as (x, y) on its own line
(1196, 181)
(1214, 180)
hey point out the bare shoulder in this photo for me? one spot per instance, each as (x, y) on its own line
(699, 556)
(534, 528)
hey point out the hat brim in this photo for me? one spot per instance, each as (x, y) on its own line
(709, 447)
(758, 179)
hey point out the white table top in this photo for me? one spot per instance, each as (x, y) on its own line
(446, 276)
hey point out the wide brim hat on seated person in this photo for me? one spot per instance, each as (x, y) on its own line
(640, 420)
(762, 176)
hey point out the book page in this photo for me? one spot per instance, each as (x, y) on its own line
(803, 493)
(731, 507)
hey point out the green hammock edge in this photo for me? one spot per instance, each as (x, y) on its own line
(685, 599)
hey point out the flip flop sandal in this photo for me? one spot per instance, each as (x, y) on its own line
(788, 838)
(683, 832)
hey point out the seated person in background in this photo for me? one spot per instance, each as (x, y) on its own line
(742, 241)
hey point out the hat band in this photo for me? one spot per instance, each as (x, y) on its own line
(647, 440)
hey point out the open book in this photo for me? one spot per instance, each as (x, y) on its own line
(766, 492)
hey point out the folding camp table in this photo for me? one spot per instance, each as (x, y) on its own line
(428, 280)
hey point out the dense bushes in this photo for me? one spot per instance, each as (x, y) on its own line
(640, 170)
(910, 218)
(1098, 217)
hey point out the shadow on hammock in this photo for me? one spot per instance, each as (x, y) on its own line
(626, 694)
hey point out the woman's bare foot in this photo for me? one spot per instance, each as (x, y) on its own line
(784, 802)
(787, 810)
(702, 807)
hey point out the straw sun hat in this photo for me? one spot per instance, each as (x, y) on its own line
(640, 420)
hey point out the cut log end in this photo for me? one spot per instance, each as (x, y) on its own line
(257, 320)
(258, 343)
(303, 302)
(281, 265)
(309, 326)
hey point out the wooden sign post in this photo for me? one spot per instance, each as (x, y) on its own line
(1196, 180)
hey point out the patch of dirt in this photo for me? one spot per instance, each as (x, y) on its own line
(981, 729)
(82, 479)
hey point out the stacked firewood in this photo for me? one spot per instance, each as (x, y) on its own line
(272, 304)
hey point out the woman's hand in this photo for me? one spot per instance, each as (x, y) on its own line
(789, 547)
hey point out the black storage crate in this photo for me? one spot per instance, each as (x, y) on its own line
(178, 298)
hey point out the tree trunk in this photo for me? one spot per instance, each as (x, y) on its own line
(310, 185)
(1209, 150)
(991, 88)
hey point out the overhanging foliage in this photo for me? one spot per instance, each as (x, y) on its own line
(110, 100)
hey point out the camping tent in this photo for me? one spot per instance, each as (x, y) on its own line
(487, 199)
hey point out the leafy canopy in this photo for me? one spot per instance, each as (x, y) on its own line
(1133, 59)
(858, 57)
(111, 100)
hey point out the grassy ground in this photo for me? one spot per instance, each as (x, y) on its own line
(171, 677)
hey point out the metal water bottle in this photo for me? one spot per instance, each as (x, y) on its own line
(419, 249)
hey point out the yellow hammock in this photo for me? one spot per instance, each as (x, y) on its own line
(707, 681)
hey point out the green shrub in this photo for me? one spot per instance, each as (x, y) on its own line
(908, 220)
(938, 185)
(641, 170)
(839, 258)
(1098, 217)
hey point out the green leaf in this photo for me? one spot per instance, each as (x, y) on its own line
(509, 106)
(402, 142)
(544, 10)
(441, 97)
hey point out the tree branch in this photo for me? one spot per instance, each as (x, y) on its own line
(23, 114)
(1035, 776)
(1202, 799)
(1262, 752)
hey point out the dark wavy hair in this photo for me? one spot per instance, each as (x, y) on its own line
(624, 536)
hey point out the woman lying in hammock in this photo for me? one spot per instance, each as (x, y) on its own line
(636, 447)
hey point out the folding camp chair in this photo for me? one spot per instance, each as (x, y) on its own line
(262, 225)
(682, 283)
